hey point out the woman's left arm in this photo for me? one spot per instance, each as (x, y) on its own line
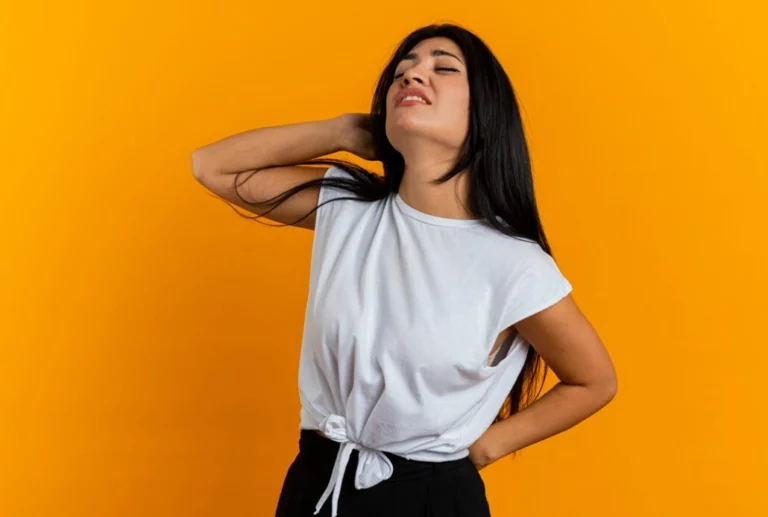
(570, 346)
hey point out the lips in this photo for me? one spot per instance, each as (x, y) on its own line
(416, 94)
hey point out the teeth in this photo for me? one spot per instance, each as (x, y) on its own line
(414, 98)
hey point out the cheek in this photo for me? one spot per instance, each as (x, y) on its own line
(457, 114)
(462, 105)
(457, 121)
(453, 99)
(390, 98)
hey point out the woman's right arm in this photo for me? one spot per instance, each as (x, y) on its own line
(271, 151)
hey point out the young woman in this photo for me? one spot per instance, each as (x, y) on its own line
(433, 294)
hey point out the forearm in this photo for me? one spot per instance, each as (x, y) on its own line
(269, 147)
(561, 408)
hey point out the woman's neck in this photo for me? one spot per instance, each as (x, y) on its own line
(449, 200)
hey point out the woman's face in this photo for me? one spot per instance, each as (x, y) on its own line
(429, 97)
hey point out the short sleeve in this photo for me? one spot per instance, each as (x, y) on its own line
(328, 192)
(326, 209)
(536, 285)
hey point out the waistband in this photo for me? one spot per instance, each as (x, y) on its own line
(371, 466)
(316, 447)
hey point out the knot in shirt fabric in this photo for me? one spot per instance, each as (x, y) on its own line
(373, 466)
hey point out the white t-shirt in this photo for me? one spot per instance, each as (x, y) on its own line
(403, 311)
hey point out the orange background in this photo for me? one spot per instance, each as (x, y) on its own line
(150, 337)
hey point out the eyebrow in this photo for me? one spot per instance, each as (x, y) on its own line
(435, 53)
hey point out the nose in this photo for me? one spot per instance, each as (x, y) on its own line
(412, 75)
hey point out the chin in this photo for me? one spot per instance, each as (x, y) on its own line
(408, 121)
(405, 125)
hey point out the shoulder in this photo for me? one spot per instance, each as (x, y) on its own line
(517, 257)
(534, 281)
(347, 197)
(336, 183)
(335, 171)
(530, 263)
(353, 172)
(532, 259)
(351, 182)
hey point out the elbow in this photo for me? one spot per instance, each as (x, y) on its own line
(611, 390)
(201, 168)
(608, 387)
(602, 387)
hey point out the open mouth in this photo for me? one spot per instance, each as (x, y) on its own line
(412, 97)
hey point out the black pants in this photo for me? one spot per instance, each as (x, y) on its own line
(416, 489)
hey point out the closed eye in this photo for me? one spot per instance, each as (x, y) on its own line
(439, 69)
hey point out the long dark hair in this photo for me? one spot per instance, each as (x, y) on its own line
(495, 156)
